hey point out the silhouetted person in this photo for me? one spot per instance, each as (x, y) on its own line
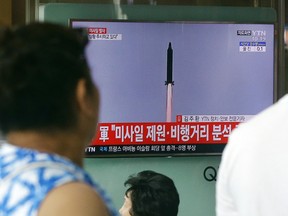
(48, 114)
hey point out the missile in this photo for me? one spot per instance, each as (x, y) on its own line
(169, 65)
(169, 82)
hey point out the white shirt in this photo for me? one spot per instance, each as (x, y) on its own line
(253, 173)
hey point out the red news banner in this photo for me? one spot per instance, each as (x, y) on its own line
(163, 133)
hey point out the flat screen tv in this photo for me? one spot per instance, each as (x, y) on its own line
(176, 88)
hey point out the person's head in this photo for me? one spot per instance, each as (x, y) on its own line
(150, 194)
(43, 75)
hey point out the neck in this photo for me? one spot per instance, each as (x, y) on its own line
(66, 144)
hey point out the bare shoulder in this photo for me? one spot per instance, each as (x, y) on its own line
(73, 199)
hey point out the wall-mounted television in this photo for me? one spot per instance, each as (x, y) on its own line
(176, 88)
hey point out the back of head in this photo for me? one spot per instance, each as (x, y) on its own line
(152, 194)
(40, 65)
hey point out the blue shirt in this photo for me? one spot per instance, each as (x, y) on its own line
(27, 176)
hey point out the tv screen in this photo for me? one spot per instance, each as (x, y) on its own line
(176, 88)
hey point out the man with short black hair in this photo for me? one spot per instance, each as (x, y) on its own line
(150, 194)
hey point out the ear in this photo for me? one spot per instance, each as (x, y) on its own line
(87, 102)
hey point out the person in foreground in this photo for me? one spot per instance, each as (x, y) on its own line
(253, 172)
(49, 112)
(150, 194)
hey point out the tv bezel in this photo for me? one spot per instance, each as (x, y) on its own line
(215, 150)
